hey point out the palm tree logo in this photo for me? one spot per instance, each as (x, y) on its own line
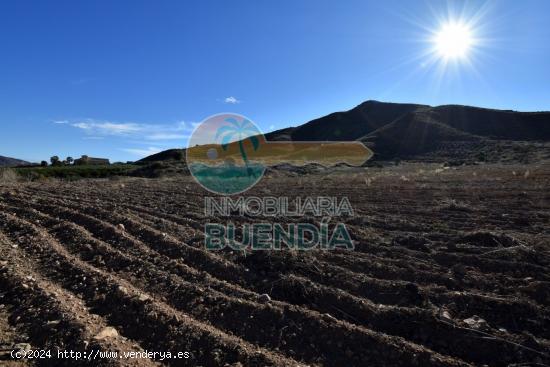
(240, 132)
(224, 154)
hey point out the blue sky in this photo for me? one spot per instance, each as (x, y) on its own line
(120, 79)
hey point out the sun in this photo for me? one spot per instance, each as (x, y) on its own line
(453, 41)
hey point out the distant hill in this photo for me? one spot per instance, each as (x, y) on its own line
(167, 155)
(402, 130)
(11, 162)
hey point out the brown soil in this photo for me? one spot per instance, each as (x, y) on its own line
(435, 249)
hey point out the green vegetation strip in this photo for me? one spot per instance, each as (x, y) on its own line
(76, 172)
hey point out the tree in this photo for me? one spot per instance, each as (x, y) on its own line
(69, 160)
(44, 164)
(239, 131)
(55, 160)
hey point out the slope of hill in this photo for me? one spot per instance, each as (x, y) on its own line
(462, 132)
(347, 125)
(166, 155)
(496, 124)
(11, 162)
(414, 133)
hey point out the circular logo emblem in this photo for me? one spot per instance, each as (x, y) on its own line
(221, 154)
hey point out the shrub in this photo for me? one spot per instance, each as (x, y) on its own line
(7, 175)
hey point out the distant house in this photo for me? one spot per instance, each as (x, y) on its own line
(90, 160)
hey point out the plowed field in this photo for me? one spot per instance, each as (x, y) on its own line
(451, 267)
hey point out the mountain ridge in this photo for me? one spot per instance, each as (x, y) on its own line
(404, 130)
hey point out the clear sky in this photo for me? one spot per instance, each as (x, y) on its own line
(120, 79)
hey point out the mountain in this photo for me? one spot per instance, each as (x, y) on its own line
(404, 130)
(348, 125)
(11, 162)
(397, 130)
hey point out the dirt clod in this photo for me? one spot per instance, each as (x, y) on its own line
(477, 323)
(105, 333)
(264, 298)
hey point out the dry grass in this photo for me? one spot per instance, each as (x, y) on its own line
(8, 176)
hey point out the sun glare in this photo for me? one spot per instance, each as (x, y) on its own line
(453, 40)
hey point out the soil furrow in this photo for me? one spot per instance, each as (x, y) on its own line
(132, 311)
